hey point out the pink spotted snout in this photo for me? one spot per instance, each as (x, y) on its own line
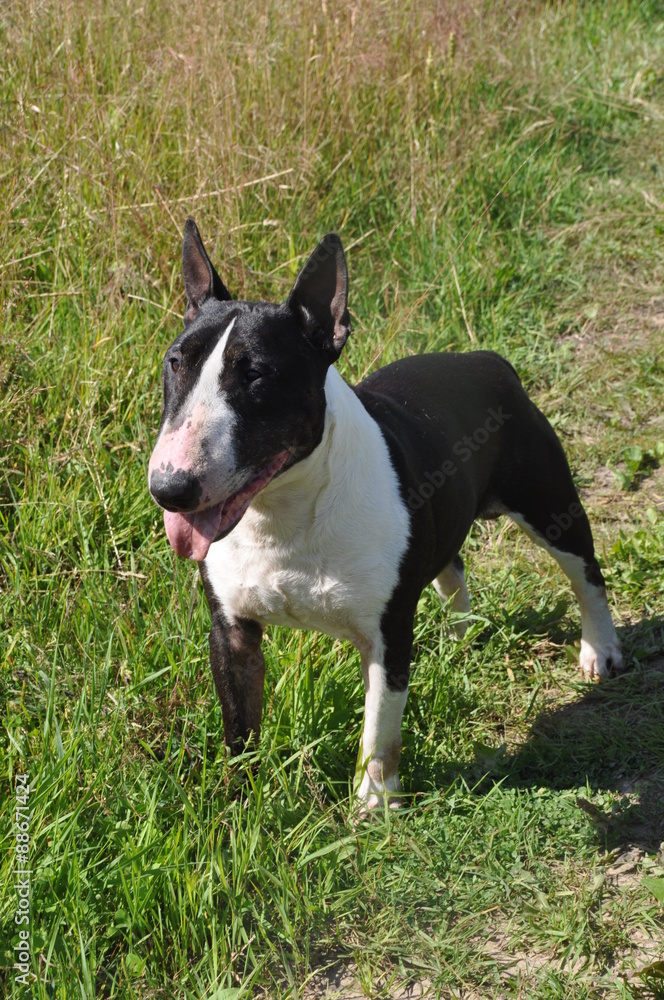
(177, 474)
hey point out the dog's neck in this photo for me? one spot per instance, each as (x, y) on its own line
(289, 506)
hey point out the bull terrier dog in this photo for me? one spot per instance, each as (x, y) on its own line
(313, 504)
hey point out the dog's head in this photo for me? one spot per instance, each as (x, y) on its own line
(244, 391)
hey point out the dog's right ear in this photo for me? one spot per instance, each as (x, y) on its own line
(201, 281)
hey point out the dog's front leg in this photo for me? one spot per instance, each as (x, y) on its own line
(385, 671)
(238, 670)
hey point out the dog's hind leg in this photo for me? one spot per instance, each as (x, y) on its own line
(547, 506)
(600, 648)
(452, 583)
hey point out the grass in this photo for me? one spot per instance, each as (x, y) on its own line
(497, 175)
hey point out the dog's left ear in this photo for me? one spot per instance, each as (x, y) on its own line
(320, 294)
(201, 281)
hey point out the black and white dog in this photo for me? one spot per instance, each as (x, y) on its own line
(315, 505)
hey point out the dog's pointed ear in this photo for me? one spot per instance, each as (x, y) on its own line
(320, 295)
(201, 281)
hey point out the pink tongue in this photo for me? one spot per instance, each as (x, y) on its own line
(192, 534)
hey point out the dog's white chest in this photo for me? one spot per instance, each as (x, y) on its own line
(322, 548)
(314, 589)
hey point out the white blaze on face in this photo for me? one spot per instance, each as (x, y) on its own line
(201, 440)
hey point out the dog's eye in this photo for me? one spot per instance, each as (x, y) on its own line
(252, 374)
(175, 364)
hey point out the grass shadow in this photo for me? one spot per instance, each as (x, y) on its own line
(611, 739)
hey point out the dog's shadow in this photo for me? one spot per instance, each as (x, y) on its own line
(610, 739)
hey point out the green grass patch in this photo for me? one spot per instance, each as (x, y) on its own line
(496, 172)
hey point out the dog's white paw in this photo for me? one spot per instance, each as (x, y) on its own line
(371, 794)
(376, 804)
(601, 661)
(460, 627)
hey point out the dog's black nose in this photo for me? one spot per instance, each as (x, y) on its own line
(176, 491)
